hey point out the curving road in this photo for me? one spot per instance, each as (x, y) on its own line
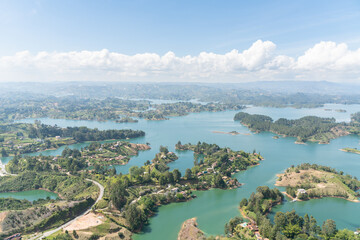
(48, 233)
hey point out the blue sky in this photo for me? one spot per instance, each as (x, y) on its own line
(185, 27)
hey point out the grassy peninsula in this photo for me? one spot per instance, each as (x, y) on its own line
(350, 150)
(314, 181)
(309, 128)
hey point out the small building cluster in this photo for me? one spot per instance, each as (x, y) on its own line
(254, 228)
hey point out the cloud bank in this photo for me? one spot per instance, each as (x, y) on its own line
(324, 61)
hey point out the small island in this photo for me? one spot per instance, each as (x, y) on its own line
(231, 133)
(307, 181)
(350, 150)
(309, 128)
(127, 120)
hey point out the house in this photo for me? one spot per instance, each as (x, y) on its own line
(301, 190)
(252, 226)
(57, 137)
(174, 190)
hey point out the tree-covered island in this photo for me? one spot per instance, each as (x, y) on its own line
(309, 128)
(20, 138)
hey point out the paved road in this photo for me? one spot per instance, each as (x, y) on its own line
(48, 233)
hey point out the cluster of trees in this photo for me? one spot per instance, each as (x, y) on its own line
(288, 225)
(146, 175)
(303, 128)
(200, 148)
(80, 134)
(125, 197)
(222, 160)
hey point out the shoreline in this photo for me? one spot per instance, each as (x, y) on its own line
(300, 200)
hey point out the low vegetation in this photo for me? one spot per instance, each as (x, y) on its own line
(314, 181)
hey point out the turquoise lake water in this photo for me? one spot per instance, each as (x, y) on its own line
(31, 195)
(215, 207)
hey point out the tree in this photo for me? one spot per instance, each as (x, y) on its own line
(188, 174)
(314, 228)
(329, 228)
(218, 181)
(164, 149)
(230, 226)
(134, 216)
(280, 220)
(118, 195)
(4, 153)
(177, 175)
(306, 226)
(135, 172)
(243, 203)
(75, 234)
(345, 235)
(291, 230)
(169, 176)
(163, 180)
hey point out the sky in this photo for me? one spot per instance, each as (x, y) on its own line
(182, 41)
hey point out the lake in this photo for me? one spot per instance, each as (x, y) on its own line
(215, 207)
(31, 195)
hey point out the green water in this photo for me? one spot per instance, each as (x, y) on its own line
(31, 195)
(215, 207)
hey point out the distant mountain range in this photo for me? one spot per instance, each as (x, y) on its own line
(87, 88)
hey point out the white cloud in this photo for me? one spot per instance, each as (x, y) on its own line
(324, 61)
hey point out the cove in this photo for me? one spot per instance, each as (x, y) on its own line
(215, 207)
(30, 195)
